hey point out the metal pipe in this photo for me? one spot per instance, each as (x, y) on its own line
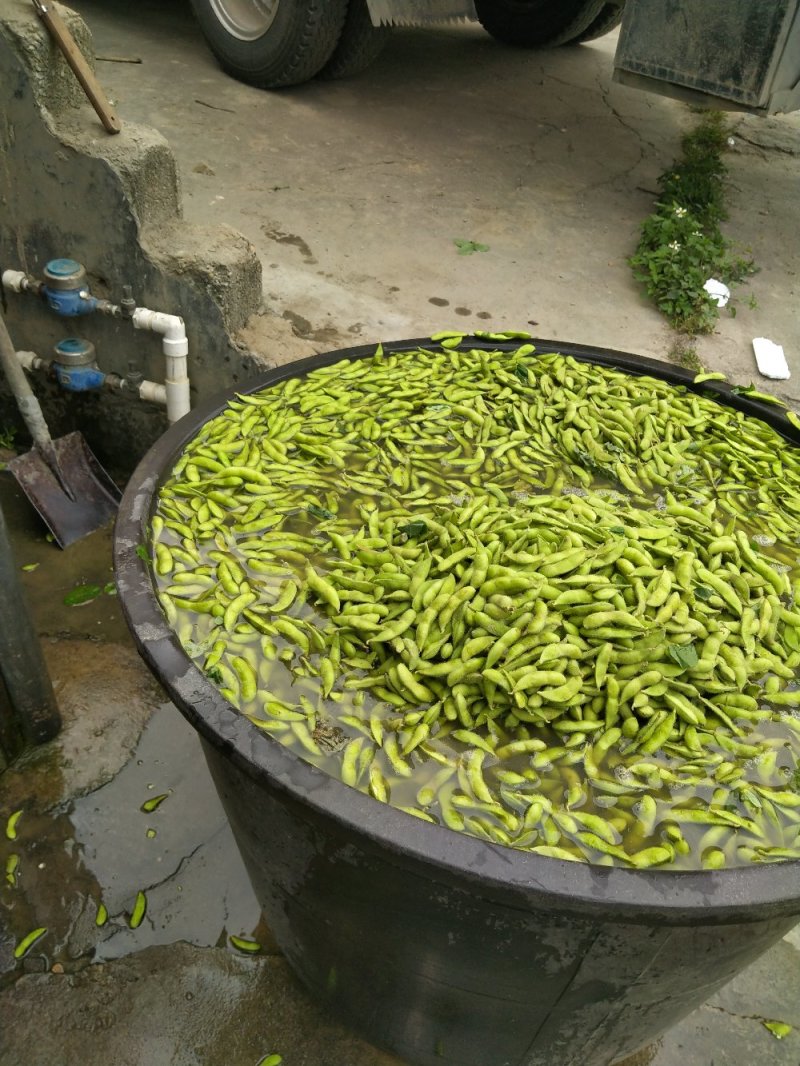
(33, 703)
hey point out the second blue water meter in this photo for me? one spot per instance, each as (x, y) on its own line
(75, 366)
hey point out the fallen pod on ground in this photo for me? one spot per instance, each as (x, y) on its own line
(532, 599)
(244, 944)
(27, 942)
(12, 866)
(139, 910)
(11, 825)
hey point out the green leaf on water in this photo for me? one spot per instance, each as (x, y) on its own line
(82, 594)
(193, 649)
(778, 1029)
(703, 592)
(414, 529)
(684, 655)
(468, 247)
(110, 589)
(30, 567)
(319, 512)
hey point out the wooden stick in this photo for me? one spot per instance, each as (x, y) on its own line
(77, 61)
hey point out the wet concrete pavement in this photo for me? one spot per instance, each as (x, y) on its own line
(174, 992)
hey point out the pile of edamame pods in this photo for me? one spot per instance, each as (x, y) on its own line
(550, 604)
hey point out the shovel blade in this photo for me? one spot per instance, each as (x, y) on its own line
(96, 495)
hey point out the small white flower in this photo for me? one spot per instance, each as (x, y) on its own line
(680, 212)
(674, 245)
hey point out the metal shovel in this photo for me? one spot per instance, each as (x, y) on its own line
(62, 478)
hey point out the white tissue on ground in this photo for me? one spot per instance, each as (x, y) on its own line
(770, 359)
(717, 291)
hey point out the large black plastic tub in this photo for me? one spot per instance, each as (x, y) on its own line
(436, 945)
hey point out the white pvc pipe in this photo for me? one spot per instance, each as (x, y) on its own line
(31, 361)
(176, 349)
(153, 392)
(13, 280)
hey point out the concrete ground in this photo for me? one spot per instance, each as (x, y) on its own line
(353, 194)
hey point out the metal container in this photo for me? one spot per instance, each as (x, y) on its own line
(743, 55)
(442, 948)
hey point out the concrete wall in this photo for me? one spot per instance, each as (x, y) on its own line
(67, 188)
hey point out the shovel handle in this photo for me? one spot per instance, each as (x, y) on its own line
(77, 61)
(30, 408)
(23, 393)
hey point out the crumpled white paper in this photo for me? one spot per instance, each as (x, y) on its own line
(770, 359)
(718, 291)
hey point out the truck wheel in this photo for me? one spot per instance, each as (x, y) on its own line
(359, 45)
(271, 43)
(537, 23)
(608, 20)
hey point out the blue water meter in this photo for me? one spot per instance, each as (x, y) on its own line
(75, 366)
(65, 288)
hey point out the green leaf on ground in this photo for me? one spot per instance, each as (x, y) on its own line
(468, 247)
(82, 594)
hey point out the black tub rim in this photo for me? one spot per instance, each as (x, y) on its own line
(514, 878)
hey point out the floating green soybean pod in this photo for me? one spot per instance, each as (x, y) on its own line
(540, 601)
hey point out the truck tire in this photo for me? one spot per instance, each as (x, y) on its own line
(271, 43)
(360, 43)
(538, 23)
(608, 20)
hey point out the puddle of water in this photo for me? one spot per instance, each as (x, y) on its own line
(79, 852)
(86, 562)
(96, 849)
(191, 872)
